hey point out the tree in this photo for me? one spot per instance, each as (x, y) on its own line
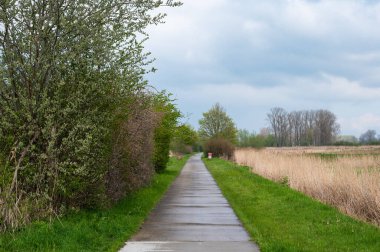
(217, 124)
(163, 134)
(264, 139)
(303, 127)
(308, 127)
(296, 125)
(326, 128)
(244, 138)
(67, 71)
(184, 140)
(368, 137)
(278, 119)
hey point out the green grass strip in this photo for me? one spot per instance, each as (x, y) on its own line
(281, 219)
(100, 230)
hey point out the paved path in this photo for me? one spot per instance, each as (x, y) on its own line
(192, 216)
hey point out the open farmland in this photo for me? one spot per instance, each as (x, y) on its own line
(345, 177)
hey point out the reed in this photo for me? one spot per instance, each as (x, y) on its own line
(347, 178)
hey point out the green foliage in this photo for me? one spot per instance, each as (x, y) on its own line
(327, 156)
(97, 230)
(186, 134)
(217, 124)
(163, 134)
(281, 219)
(184, 140)
(69, 72)
(345, 143)
(247, 139)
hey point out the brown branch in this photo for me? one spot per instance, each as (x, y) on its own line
(19, 161)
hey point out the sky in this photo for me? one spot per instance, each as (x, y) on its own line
(251, 56)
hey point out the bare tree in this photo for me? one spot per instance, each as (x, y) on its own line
(308, 127)
(326, 127)
(303, 127)
(296, 125)
(278, 118)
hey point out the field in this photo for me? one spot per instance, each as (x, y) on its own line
(279, 218)
(347, 178)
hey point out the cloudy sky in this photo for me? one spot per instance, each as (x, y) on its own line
(251, 56)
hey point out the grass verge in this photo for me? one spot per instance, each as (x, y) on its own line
(281, 219)
(100, 230)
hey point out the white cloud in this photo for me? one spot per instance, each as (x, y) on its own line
(363, 57)
(330, 19)
(302, 17)
(251, 25)
(361, 123)
(338, 89)
(249, 103)
(325, 87)
(254, 55)
(234, 94)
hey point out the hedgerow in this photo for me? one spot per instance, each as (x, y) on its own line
(77, 121)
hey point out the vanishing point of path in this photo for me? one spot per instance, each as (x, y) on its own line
(192, 216)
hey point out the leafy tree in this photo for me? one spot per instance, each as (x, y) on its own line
(67, 70)
(187, 134)
(185, 139)
(244, 138)
(163, 134)
(217, 124)
(247, 139)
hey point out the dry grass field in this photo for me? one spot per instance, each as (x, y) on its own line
(345, 177)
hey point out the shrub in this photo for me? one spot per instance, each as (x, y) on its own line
(345, 143)
(131, 165)
(66, 111)
(219, 147)
(164, 132)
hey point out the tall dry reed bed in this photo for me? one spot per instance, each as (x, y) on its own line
(347, 178)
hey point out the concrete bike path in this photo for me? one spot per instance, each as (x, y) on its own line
(192, 216)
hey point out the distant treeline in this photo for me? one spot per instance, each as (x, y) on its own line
(296, 128)
(299, 128)
(251, 139)
(302, 128)
(369, 137)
